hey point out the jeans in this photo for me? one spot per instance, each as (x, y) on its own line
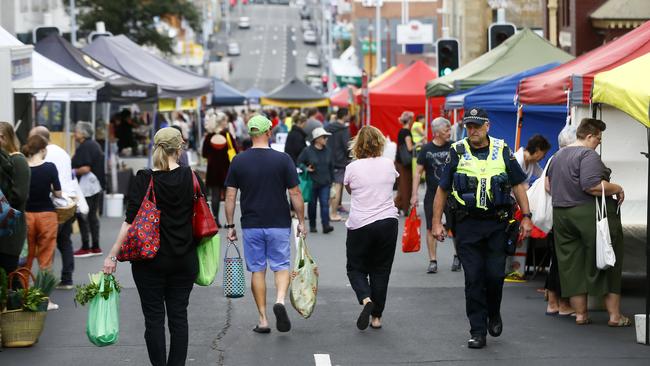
(370, 252)
(90, 223)
(164, 285)
(481, 249)
(320, 194)
(64, 244)
(215, 202)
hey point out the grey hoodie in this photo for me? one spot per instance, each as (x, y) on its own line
(338, 144)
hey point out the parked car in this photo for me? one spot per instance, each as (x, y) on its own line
(299, 3)
(312, 59)
(316, 84)
(306, 25)
(233, 49)
(305, 13)
(309, 37)
(244, 22)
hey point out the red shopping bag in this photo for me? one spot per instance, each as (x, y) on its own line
(411, 235)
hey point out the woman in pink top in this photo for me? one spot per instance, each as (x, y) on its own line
(372, 224)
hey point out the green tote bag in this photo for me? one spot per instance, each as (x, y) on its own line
(208, 253)
(103, 326)
(305, 184)
(304, 281)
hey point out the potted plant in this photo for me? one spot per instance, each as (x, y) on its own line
(23, 316)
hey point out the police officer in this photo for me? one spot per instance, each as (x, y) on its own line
(480, 174)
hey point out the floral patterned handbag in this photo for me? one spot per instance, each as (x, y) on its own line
(143, 238)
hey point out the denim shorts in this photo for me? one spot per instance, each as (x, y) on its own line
(262, 245)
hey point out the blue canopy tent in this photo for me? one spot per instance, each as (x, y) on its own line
(254, 96)
(498, 99)
(225, 95)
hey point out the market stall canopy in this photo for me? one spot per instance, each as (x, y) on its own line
(627, 88)
(295, 94)
(518, 53)
(401, 91)
(117, 88)
(49, 80)
(578, 75)
(343, 96)
(498, 99)
(254, 95)
(225, 95)
(123, 56)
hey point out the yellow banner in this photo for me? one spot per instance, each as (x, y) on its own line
(295, 103)
(168, 105)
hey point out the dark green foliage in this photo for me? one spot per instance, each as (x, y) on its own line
(135, 18)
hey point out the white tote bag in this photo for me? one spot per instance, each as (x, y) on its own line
(605, 257)
(540, 203)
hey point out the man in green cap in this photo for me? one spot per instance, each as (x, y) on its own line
(264, 175)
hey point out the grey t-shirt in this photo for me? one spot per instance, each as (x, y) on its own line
(573, 170)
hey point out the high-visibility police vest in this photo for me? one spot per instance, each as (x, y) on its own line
(482, 170)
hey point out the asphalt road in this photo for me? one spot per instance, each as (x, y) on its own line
(424, 323)
(272, 50)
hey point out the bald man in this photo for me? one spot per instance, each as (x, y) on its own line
(61, 160)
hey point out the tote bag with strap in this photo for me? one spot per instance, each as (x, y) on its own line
(304, 281)
(203, 224)
(231, 149)
(541, 203)
(605, 257)
(305, 184)
(234, 282)
(208, 253)
(143, 237)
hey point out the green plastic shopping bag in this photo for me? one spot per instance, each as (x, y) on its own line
(305, 184)
(208, 253)
(304, 281)
(103, 326)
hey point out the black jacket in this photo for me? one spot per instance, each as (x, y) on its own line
(321, 160)
(338, 144)
(295, 142)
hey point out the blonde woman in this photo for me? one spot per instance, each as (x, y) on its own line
(372, 224)
(165, 282)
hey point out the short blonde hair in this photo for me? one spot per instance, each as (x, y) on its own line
(369, 143)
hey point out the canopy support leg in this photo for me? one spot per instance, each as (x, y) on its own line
(647, 243)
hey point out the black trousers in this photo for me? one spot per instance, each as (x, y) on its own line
(164, 284)
(481, 249)
(8, 262)
(215, 198)
(370, 252)
(64, 244)
(90, 223)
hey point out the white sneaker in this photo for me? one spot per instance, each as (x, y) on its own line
(52, 306)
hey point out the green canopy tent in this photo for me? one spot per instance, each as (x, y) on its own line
(523, 51)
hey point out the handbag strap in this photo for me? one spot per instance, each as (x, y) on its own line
(196, 186)
(603, 205)
(230, 242)
(548, 163)
(150, 190)
(230, 147)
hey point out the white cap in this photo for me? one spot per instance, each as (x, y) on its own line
(318, 132)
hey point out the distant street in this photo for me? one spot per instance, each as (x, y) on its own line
(272, 50)
(424, 322)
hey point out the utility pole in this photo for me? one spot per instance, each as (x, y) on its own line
(330, 51)
(378, 4)
(73, 23)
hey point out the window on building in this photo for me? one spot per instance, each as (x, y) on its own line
(24, 6)
(36, 6)
(45, 6)
(566, 13)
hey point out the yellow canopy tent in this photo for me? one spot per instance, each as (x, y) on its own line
(627, 88)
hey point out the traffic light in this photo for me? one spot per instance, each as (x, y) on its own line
(42, 32)
(448, 55)
(499, 32)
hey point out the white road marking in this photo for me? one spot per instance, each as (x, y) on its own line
(275, 37)
(322, 359)
(273, 51)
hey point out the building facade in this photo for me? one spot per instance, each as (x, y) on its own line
(20, 17)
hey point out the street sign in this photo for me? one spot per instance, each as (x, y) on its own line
(367, 47)
(415, 32)
(371, 3)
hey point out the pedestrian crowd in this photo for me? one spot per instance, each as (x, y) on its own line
(475, 193)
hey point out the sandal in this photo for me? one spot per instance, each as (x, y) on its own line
(583, 322)
(622, 322)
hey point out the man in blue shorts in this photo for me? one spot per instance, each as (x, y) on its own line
(264, 175)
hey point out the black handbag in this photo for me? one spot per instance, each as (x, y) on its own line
(404, 155)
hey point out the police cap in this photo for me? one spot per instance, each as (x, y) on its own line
(477, 116)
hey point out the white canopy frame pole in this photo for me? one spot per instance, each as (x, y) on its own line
(66, 127)
(93, 118)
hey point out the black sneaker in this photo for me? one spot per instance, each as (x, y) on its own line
(328, 229)
(433, 267)
(313, 230)
(456, 266)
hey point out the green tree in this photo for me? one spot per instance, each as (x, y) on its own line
(135, 18)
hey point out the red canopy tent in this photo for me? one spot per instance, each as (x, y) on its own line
(578, 75)
(402, 91)
(341, 98)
